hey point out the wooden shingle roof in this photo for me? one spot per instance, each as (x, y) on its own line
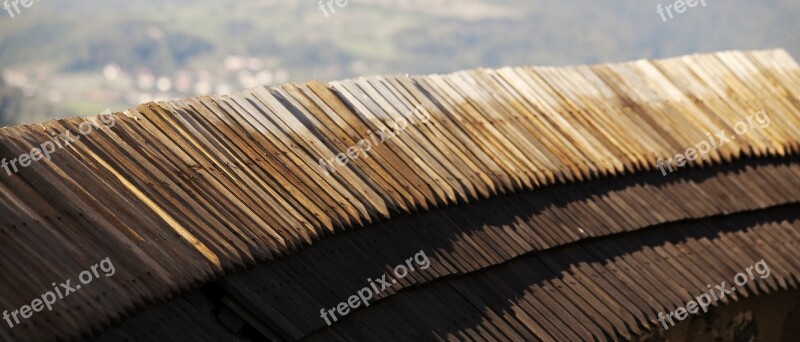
(489, 171)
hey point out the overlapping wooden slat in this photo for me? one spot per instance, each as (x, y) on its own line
(470, 238)
(602, 288)
(190, 317)
(183, 191)
(575, 292)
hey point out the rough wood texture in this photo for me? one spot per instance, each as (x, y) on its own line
(589, 261)
(182, 192)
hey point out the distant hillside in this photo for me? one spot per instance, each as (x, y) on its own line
(79, 38)
(10, 107)
(16, 108)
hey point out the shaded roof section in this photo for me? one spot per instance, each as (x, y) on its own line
(590, 261)
(181, 192)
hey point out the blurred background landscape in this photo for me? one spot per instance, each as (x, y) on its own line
(62, 58)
